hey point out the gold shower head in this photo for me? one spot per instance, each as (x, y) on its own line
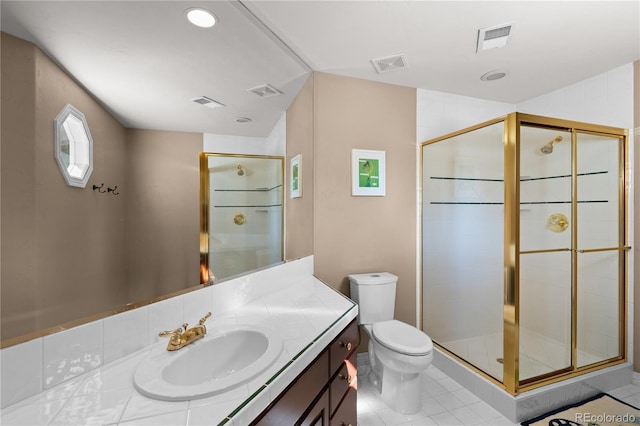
(548, 148)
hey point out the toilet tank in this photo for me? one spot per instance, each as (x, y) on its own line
(375, 294)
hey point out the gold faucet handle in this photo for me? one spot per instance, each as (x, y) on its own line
(204, 318)
(176, 332)
(171, 333)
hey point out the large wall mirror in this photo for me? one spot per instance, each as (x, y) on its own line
(71, 256)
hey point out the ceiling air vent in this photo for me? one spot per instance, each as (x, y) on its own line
(208, 102)
(265, 91)
(494, 37)
(390, 63)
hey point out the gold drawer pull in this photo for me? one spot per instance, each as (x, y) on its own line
(346, 345)
(349, 379)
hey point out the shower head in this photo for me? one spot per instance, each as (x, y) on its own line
(240, 170)
(548, 148)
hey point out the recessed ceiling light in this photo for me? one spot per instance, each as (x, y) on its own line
(243, 120)
(494, 75)
(201, 17)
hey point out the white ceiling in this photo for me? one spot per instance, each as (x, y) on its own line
(145, 62)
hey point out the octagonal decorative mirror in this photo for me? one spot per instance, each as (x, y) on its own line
(73, 146)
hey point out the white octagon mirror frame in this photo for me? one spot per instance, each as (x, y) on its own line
(73, 146)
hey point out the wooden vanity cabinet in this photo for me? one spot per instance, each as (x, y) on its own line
(325, 394)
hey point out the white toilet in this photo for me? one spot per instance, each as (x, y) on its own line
(398, 352)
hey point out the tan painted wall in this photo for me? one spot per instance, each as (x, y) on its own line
(69, 252)
(365, 234)
(17, 169)
(636, 219)
(299, 211)
(47, 226)
(162, 218)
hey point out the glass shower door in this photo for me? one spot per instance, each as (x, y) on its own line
(545, 332)
(463, 245)
(600, 254)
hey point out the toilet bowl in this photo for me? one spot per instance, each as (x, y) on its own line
(398, 352)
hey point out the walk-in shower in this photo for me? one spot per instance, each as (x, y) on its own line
(524, 246)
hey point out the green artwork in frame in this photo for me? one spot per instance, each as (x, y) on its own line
(296, 176)
(368, 173)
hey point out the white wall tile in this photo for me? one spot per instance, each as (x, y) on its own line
(197, 304)
(165, 316)
(274, 144)
(21, 369)
(605, 99)
(126, 333)
(72, 352)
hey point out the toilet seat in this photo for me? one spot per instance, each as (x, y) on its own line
(402, 338)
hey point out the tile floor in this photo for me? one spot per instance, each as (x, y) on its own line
(444, 402)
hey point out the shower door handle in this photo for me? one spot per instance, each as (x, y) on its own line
(625, 248)
(545, 251)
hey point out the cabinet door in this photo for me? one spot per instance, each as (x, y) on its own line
(344, 381)
(347, 413)
(319, 413)
(295, 401)
(343, 346)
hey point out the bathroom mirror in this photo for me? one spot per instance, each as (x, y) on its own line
(73, 146)
(91, 253)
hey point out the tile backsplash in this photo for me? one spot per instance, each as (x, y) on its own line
(39, 364)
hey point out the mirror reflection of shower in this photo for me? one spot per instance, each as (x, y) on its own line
(548, 148)
(242, 213)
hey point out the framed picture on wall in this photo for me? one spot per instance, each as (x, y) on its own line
(368, 173)
(296, 176)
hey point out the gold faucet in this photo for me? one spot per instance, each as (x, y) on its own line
(181, 337)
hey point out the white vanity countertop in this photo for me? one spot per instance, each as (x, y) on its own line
(307, 314)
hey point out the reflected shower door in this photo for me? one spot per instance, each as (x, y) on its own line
(600, 257)
(244, 213)
(463, 245)
(545, 251)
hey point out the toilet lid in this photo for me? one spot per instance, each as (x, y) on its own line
(401, 337)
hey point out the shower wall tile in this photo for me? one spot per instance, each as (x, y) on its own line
(274, 144)
(439, 113)
(605, 99)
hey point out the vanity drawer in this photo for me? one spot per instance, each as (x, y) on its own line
(345, 380)
(342, 347)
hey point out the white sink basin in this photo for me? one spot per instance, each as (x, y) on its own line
(216, 363)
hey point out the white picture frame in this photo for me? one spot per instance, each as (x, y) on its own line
(368, 174)
(295, 176)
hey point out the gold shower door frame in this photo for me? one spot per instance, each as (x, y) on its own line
(511, 304)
